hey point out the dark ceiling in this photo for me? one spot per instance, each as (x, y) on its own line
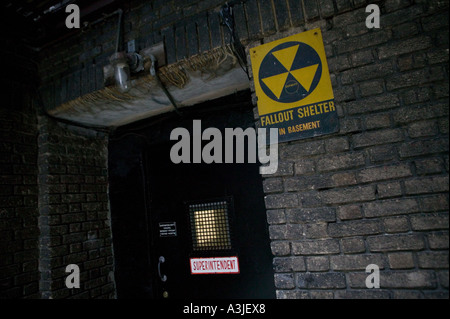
(38, 23)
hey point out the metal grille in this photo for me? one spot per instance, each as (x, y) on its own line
(210, 226)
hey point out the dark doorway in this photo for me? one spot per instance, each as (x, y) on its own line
(188, 230)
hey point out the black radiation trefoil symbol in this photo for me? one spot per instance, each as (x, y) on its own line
(290, 72)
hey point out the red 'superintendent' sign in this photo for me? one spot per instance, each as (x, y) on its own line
(214, 265)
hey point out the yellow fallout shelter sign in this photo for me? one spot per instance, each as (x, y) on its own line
(293, 86)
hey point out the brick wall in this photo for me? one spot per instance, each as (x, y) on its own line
(18, 176)
(376, 192)
(74, 66)
(74, 211)
(53, 194)
(18, 201)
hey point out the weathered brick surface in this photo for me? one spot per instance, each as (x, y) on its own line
(396, 243)
(74, 221)
(315, 247)
(401, 260)
(19, 231)
(376, 190)
(356, 262)
(391, 207)
(422, 279)
(18, 205)
(321, 280)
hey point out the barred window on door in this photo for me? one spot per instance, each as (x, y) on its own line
(210, 227)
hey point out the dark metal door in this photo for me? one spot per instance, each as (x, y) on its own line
(172, 190)
(154, 212)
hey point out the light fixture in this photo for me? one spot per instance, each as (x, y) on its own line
(124, 64)
(121, 71)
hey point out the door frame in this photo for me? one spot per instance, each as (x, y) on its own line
(153, 132)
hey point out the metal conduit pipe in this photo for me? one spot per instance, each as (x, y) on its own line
(161, 85)
(119, 27)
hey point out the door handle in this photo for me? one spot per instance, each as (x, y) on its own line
(161, 261)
